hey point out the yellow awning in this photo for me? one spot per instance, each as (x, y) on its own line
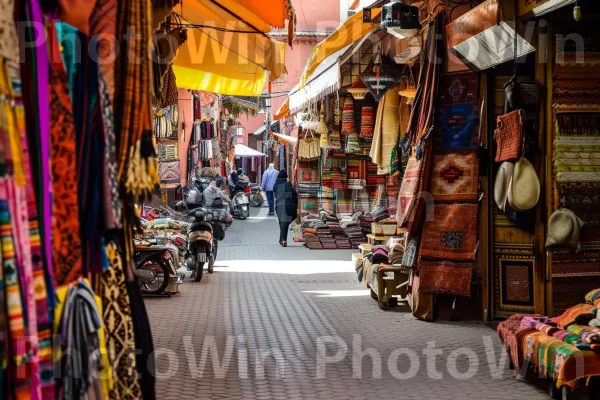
(352, 30)
(274, 12)
(283, 111)
(226, 43)
(199, 80)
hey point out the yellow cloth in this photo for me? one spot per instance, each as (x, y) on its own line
(106, 375)
(387, 127)
(226, 62)
(198, 80)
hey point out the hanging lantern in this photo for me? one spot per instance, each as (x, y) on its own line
(401, 20)
(380, 82)
(358, 90)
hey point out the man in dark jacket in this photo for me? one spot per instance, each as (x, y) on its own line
(286, 205)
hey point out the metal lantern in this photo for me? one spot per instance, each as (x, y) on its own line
(400, 19)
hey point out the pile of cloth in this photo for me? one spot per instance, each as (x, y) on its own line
(565, 348)
(353, 230)
(308, 189)
(396, 254)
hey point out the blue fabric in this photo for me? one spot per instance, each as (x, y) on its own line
(269, 178)
(270, 200)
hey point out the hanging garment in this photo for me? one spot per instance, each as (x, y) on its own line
(120, 337)
(42, 278)
(66, 243)
(143, 341)
(112, 207)
(387, 128)
(103, 25)
(89, 134)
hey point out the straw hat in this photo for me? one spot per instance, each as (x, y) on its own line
(524, 188)
(564, 228)
(503, 177)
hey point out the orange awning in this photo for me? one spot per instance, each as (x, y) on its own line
(283, 111)
(274, 12)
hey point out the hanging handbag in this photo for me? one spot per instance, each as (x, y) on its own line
(509, 136)
(309, 149)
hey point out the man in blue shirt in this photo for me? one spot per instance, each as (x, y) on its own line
(268, 182)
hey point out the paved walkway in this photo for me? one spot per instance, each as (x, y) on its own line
(275, 323)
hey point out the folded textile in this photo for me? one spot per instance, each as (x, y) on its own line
(532, 321)
(396, 254)
(592, 296)
(595, 323)
(580, 314)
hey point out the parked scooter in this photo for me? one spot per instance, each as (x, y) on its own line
(240, 203)
(200, 244)
(256, 196)
(156, 268)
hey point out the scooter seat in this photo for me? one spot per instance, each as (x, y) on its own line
(194, 205)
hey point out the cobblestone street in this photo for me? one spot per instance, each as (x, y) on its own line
(278, 304)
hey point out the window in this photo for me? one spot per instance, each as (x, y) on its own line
(239, 131)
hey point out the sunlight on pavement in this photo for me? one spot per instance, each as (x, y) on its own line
(338, 293)
(292, 267)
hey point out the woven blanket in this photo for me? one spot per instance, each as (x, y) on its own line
(508, 333)
(169, 173)
(579, 314)
(455, 176)
(452, 233)
(446, 277)
(582, 198)
(407, 197)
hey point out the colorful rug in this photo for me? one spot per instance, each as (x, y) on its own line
(446, 277)
(407, 198)
(451, 234)
(455, 176)
(578, 314)
(583, 199)
(169, 173)
(458, 111)
(367, 122)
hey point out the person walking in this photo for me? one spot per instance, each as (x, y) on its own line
(286, 205)
(268, 184)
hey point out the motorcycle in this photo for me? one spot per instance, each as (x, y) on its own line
(156, 269)
(200, 244)
(256, 196)
(240, 203)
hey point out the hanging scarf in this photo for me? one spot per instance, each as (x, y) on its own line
(66, 253)
(423, 110)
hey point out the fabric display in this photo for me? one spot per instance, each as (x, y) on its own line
(446, 277)
(367, 122)
(77, 139)
(409, 189)
(451, 234)
(373, 178)
(386, 130)
(455, 177)
(382, 81)
(206, 150)
(309, 149)
(348, 119)
(333, 173)
(167, 150)
(458, 110)
(576, 87)
(509, 136)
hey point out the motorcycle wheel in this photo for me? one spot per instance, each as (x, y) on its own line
(256, 200)
(199, 268)
(244, 211)
(157, 268)
(211, 264)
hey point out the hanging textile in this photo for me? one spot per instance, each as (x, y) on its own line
(137, 164)
(385, 135)
(102, 31)
(66, 254)
(120, 339)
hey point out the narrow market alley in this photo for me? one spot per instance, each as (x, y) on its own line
(280, 302)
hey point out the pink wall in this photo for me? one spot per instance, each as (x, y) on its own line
(186, 116)
(312, 16)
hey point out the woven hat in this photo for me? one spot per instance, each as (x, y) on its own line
(524, 188)
(503, 177)
(367, 122)
(564, 228)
